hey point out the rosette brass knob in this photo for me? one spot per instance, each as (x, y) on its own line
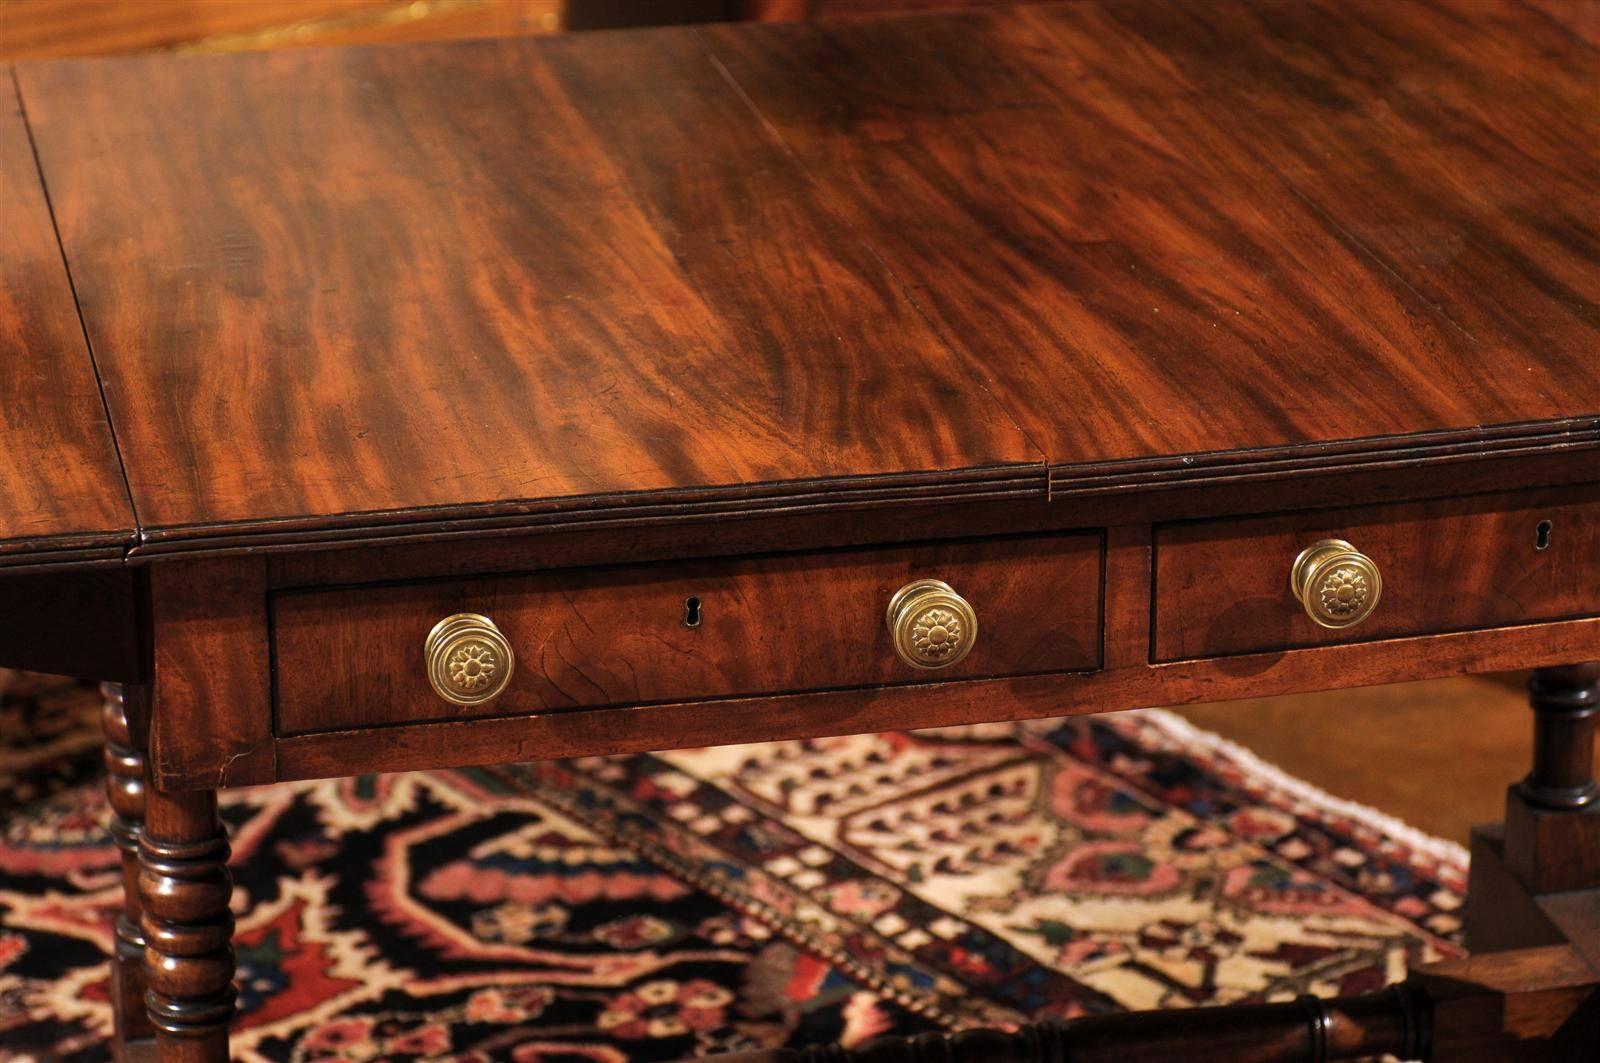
(1338, 585)
(469, 661)
(931, 625)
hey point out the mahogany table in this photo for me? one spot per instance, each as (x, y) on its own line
(394, 408)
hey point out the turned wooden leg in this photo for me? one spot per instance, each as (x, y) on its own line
(1566, 707)
(125, 788)
(1536, 881)
(188, 928)
(1552, 840)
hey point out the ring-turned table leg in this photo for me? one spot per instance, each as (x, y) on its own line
(125, 790)
(185, 887)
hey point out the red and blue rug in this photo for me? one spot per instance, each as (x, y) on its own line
(653, 907)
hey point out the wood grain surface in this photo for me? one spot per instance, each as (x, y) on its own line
(211, 688)
(1250, 238)
(478, 274)
(617, 635)
(62, 497)
(1580, 17)
(686, 273)
(1222, 587)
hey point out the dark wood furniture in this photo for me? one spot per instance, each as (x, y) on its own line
(658, 362)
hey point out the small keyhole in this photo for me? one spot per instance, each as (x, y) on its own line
(691, 612)
(1541, 537)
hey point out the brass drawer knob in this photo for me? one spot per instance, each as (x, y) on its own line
(932, 626)
(469, 661)
(1338, 585)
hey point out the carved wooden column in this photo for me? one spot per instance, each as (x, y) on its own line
(125, 790)
(188, 928)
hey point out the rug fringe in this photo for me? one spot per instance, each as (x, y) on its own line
(1185, 733)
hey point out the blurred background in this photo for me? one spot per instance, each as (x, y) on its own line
(38, 28)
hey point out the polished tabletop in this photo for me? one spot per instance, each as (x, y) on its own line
(61, 490)
(1042, 251)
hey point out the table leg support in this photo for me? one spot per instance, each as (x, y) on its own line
(1536, 881)
(1552, 839)
(1566, 706)
(185, 887)
(125, 792)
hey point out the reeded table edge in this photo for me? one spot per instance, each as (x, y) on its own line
(74, 551)
(1263, 465)
(628, 509)
(1056, 482)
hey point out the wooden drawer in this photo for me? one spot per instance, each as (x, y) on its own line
(1222, 586)
(586, 638)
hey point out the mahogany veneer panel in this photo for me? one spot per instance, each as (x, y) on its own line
(1210, 239)
(1222, 587)
(595, 637)
(478, 275)
(61, 492)
(1581, 17)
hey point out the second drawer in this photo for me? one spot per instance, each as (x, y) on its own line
(1223, 586)
(627, 635)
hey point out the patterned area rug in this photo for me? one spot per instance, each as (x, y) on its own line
(658, 906)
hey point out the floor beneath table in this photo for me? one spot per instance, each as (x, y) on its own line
(1437, 755)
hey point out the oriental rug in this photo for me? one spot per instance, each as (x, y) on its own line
(653, 907)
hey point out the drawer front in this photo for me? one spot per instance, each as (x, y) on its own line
(629, 635)
(1223, 587)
